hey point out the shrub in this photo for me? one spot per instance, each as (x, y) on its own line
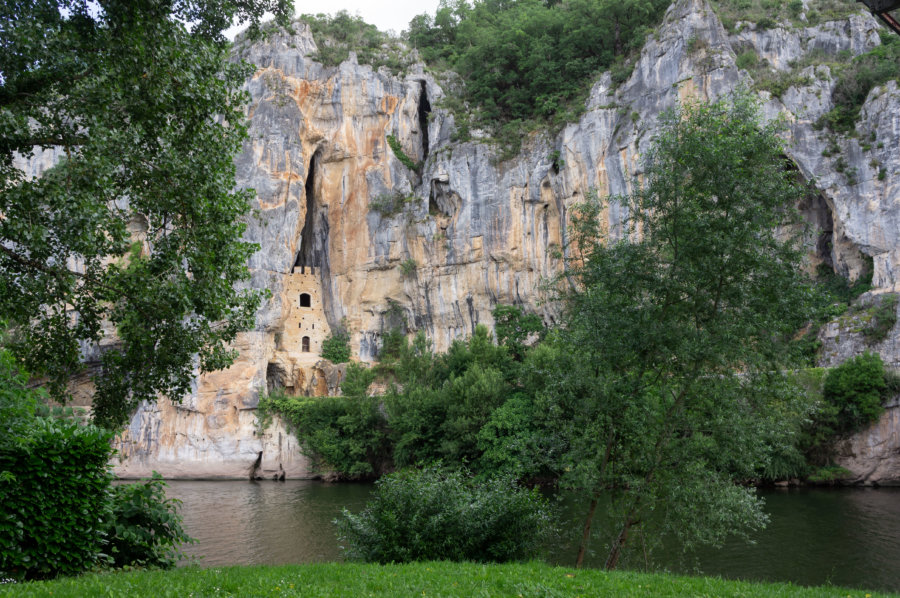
(336, 348)
(855, 389)
(530, 61)
(432, 514)
(747, 60)
(17, 402)
(346, 436)
(146, 528)
(55, 503)
(866, 71)
(408, 267)
(444, 400)
(59, 515)
(336, 35)
(389, 204)
(884, 317)
(401, 155)
(829, 474)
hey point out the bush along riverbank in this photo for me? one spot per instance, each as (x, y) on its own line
(414, 579)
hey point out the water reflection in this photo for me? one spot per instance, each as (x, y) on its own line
(847, 537)
(244, 523)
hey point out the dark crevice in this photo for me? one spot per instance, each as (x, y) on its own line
(255, 467)
(314, 242)
(816, 227)
(276, 377)
(314, 237)
(424, 111)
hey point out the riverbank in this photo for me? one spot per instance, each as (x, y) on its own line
(448, 580)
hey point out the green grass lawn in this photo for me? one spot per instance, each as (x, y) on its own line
(417, 579)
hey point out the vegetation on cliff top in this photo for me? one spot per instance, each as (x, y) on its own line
(526, 63)
(765, 14)
(341, 33)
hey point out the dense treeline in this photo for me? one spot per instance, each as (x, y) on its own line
(439, 407)
(522, 59)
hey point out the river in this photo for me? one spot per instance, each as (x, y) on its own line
(846, 537)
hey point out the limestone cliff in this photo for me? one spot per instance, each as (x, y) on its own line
(470, 230)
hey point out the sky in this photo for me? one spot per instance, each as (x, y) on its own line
(395, 14)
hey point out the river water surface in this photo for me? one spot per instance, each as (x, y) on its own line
(845, 537)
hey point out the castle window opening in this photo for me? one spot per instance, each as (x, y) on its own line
(304, 344)
(304, 300)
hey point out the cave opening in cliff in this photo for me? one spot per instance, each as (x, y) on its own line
(314, 235)
(424, 112)
(816, 226)
(276, 377)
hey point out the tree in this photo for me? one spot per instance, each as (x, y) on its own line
(676, 334)
(136, 228)
(515, 329)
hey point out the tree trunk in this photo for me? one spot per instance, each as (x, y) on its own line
(586, 534)
(616, 551)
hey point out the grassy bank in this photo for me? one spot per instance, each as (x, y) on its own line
(418, 579)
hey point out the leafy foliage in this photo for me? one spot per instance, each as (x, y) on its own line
(145, 146)
(837, 289)
(433, 514)
(514, 329)
(17, 402)
(829, 475)
(879, 65)
(883, 318)
(528, 58)
(397, 148)
(345, 435)
(854, 390)
(60, 516)
(336, 348)
(442, 401)
(459, 407)
(408, 267)
(674, 338)
(849, 397)
(146, 529)
(55, 503)
(336, 35)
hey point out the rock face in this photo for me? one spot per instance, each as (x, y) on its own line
(873, 455)
(469, 230)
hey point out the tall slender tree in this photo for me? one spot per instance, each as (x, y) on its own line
(676, 334)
